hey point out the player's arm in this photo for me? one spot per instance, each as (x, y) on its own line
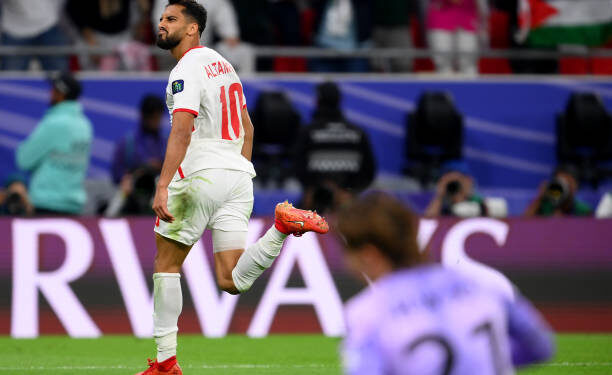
(249, 133)
(178, 141)
(531, 338)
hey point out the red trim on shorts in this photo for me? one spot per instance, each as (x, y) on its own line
(244, 106)
(157, 221)
(196, 47)
(186, 110)
(180, 171)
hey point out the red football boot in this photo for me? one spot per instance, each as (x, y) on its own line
(291, 220)
(168, 367)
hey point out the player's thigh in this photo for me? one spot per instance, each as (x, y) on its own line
(192, 202)
(229, 224)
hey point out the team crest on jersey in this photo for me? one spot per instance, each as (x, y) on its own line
(178, 86)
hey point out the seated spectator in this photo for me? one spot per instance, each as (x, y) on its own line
(392, 30)
(138, 159)
(455, 194)
(454, 26)
(14, 200)
(32, 23)
(58, 150)
(557, 197)
(334, 157)
(342, 25)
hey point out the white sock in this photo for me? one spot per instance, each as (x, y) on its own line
(167, 306)
(257, 258)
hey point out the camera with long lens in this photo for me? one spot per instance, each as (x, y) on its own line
(15, 205)
(556, 192)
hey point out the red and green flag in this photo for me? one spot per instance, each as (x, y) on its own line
(549, 23)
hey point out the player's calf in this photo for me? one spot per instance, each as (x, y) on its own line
(170, 255)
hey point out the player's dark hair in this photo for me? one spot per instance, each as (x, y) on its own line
(193, 9)
(151, 104)
(384, 222)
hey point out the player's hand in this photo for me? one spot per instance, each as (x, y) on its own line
(160, 205)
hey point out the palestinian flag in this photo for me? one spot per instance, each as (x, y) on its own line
(549, 23)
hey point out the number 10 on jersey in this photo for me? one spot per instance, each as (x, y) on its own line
(235, 94)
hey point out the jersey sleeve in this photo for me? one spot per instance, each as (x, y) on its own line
(187, 88)
(531, 338)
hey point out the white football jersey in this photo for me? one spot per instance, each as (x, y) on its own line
(206, 85)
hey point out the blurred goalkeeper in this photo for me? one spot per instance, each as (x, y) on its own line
(419, 318)
(206, 179)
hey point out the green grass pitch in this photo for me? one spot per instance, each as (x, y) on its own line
(293, 355)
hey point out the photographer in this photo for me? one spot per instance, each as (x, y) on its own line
(557, 197)
(334, 158)
(455, 195)
(137, 161)
(14, 199)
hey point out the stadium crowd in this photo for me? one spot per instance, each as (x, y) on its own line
(454, 31)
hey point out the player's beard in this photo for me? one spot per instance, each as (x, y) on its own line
(169, 42)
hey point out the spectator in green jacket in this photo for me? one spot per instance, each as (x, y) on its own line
(57, 152)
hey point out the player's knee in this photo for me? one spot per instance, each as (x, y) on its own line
(227, 285)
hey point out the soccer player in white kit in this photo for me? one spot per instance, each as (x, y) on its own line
(206, 179)
(421, 319)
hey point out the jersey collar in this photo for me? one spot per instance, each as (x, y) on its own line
(196, 47)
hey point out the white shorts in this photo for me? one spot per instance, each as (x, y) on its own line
(217, 199)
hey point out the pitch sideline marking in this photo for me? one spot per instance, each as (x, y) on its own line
(259, 366)
(205, 367)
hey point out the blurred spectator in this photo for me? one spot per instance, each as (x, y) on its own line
(255, 21)
(454, 26)
(334, 158)
(110, 23)
(455, 194)
(57, 152)
(32, 23)
(342, 25)
(557, 197)
(392, 30)
(14, 200)
(138, 159)
(272, 22)
(146, 145)
(516, 37)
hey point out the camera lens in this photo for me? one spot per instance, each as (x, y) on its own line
(453, 187)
